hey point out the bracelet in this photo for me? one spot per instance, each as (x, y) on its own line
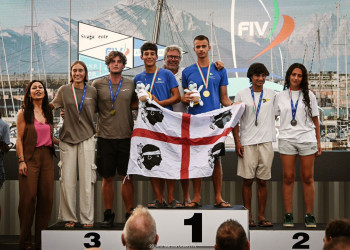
(19, 163)
(19, 157)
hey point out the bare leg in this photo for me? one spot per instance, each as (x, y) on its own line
(186, 190)
(307, 176)
(217, 181)
(128, 193)
(108, 192)
(288, 162)
(158, 188)
(197, 184)
(247, 195)
(171, 188)
(262, 197)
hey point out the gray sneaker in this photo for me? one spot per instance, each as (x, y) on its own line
(310, 220)
(288, 220)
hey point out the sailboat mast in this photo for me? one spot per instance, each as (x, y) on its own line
(319, 62)
(346, 76)
(211, 35)
(31, 41)
(346, 84)
(69, 39)
(157, 22)
(338, 60)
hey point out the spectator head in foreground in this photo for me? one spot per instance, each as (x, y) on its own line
(231, 235)
(140, 230)
(336, 228)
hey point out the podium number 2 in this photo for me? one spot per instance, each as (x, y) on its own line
(196, 222)
(300, 244)
(94, 238)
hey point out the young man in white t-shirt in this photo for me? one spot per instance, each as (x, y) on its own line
(253, 139)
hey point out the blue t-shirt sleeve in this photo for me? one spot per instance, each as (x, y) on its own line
(224, 79)
(184, 79)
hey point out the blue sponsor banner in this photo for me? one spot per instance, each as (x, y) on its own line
(137, 52)
(96, 68)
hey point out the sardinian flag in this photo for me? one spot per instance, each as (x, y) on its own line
(174, 145)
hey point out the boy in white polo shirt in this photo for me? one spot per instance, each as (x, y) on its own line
(254, 142)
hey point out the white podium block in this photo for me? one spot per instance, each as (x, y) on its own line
(194, 227)
(278, 237)
(81, 239)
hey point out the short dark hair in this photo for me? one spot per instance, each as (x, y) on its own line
(149, 46)
(201, 38)
(338, 243)
(231, 235)
(114, 54)
(257, 69)
(337, 228)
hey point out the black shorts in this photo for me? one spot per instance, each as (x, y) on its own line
(112, 155)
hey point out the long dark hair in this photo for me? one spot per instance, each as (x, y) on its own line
(28, 107)
(304, 85)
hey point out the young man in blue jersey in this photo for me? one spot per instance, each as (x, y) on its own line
(213, 94)
(164, 90)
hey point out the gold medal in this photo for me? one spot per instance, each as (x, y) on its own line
(112, 111)
(206, 93)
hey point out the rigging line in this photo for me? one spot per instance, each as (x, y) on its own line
(179, 33)
(23, 36)
(167, 11)
(313, 55)
(41, 51)
(7, 71)
(217, 45)
(2, 83)
(140, 24)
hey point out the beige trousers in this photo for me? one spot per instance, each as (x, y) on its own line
(75, 157)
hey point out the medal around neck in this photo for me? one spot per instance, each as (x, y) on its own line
(206, 93)
(112, 111)
(256, 123)
(293, 122)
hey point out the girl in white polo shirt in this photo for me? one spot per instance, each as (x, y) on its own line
(299, 134)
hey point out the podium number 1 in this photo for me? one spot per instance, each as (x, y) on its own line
(196, 222)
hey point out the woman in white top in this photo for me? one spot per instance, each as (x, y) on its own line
(299, 134)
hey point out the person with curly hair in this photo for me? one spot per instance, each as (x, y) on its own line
(299, 134)
(35, 152)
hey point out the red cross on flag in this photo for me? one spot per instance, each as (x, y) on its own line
(174, 145)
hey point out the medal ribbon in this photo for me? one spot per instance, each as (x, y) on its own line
(76, 99)
(205, 81)
(153, 80)
(111, 90)
(259, 104)
(294, 108)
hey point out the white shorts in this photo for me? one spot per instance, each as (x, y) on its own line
(293, 148)
(257, 161)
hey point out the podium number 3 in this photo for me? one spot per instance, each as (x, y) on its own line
(300, 244)
(94, 238)
(196, 222)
